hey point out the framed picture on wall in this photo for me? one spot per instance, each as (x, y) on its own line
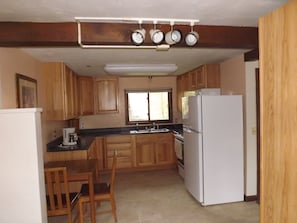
(26, 91)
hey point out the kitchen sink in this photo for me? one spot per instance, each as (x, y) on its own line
(140, 131)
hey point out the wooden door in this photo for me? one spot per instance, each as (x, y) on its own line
(278, 108)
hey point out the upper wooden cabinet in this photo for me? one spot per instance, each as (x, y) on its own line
(205, 76)
(208, 76)
(61, 92)
(85, 95)
(106, 95)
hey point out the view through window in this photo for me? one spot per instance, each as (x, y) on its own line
(148, 106)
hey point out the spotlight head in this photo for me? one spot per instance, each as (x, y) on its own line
(173, 37)
(157, 36)
(138, 36)
(192, 38)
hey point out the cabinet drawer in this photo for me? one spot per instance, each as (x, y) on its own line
(120, 153)
(122, 162)
(118, 139)
(118, 146)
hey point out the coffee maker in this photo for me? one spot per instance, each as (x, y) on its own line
(69, 136)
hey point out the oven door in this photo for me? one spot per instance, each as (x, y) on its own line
(179, 150)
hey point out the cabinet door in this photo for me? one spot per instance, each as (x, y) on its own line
(86, 95)
(106, 95)
(212, 73)
(192, 80)
(123, 147)
(69, 95)
(208, 76)
(179, 92)
(100, 152)
(75, 94)
(164, 149)
(54, 81)
(201, 77)
(60, 92)
(145, 150)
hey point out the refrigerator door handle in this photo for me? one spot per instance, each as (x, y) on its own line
(187, 130)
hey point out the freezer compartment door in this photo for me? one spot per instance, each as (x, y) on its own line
(193, 163)
(195, 113)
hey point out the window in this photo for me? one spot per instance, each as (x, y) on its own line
(146, 106)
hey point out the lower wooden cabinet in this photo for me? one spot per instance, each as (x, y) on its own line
(154, 150)
(145, 150)
(96, 151)
(164, 149)
(123, 146)
(133, 151)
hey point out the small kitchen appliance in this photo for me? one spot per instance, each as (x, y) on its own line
(69, 136)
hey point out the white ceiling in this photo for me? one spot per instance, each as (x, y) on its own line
(92, 61)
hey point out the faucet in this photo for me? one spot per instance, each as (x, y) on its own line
(155, 125)
(137, 126)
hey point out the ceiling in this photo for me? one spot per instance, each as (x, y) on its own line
(92, 61)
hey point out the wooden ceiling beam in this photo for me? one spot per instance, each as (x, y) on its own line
(27, 34)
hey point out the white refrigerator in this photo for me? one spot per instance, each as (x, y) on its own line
(213, 149)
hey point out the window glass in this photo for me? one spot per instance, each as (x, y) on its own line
(138, 106)
(148, 106)
(159, 109)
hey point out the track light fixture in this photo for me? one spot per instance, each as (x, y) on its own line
(157, 36)
(173, 36)
(138, 35)
(192, 37)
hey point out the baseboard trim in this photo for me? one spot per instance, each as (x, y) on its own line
(250, 198)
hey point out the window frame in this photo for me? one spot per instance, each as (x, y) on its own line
(148, 91)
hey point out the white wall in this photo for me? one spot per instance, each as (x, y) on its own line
(238, 77)
(22, 191)
(251, 128)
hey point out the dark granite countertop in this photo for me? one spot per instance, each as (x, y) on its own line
(86, 137)
(83, 143)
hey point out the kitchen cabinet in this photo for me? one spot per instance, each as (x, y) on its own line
(61, 92)
(134, 151)
(100, 152)
(86, 95)
(106, 95)
(145, 150)
(205, 76)
(179, 92)
(123, 146)
(66, 155)
(164, 149)
(96, 151)
(154, 150)
(208, 76)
